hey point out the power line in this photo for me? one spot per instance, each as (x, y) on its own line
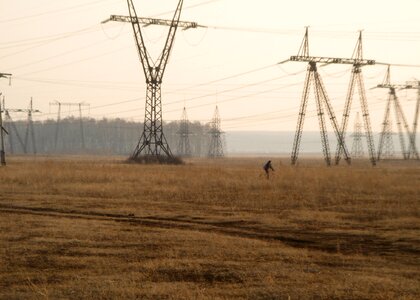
(57, 55)
(53, 11)
(76, 61)
(46, 42)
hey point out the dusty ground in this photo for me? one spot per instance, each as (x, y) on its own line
(93, 228)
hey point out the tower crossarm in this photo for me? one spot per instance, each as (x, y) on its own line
(69, 104)
(334, 60)
(415, 85)
(21, 110)
(5, 75)
(152, 21)
(394, 86)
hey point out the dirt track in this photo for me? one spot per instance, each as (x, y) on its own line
(343, 242)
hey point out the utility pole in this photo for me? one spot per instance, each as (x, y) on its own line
(79, 105)
(57, 127)
(152, 142)
(399, 119)
(357, 79)
(357, 146)
(184, 147)
(313, 78)
(216, 143)
(30, 128)
(2, 129)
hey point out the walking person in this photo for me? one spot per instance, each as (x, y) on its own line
(267, 167)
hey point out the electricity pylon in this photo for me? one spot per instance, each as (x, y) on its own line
(357, 146)
(216, 143)
(184, 147)
(29, 127)
(399, 117)
(388, 141)
(313, 78)
(11, 127)
(70, 105)
(152, 141)
(357, 80)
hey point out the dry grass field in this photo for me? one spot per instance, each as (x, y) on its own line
(96, 228)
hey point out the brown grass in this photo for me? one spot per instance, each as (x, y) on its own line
(103, 229)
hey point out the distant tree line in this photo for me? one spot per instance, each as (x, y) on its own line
(111, 137)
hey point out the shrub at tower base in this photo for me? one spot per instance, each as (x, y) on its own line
(156, 159)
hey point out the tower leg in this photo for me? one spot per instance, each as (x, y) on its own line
(301, 117)
(13, 125)
(321, 119)
(10, 135)
(333, 119)
(414, 131)
(346, 114)
(82, 133)
(399, 126)
(366, 118)
(31, 125)
(57, 126)
(411, 139)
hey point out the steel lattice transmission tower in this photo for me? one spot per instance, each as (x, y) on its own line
(152, 141)
(400, 120)
(357, 80)
(29, 132)
(357, 146)
(184, 146)
(387, 150)
(216, 142)
(322, 101)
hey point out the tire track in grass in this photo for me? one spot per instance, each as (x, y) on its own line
(333, 242)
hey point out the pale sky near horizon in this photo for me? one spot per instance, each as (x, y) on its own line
(58, 50)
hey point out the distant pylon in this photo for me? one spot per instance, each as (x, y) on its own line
(357, 146)
(184, 147)
(69, 105)
(399, 119)
(216, 143)
(388, 146)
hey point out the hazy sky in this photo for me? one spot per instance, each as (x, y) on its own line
(58, 50)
